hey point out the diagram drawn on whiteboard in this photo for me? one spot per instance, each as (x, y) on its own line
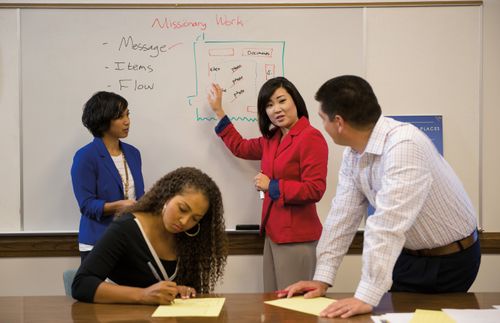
(240, 68)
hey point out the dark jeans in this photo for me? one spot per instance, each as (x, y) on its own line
(440, 274)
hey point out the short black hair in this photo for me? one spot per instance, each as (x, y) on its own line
(100, 109)
(266, 92)
(350, 97)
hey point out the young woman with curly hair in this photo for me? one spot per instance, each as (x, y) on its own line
(172, 241)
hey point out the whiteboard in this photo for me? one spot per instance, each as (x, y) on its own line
(161, 61)
(10, 155)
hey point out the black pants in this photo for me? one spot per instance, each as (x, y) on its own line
(84, 254)
(440, 274)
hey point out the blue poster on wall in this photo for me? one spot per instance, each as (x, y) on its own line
(432, 126)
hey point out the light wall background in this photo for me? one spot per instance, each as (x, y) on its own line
(43, 276)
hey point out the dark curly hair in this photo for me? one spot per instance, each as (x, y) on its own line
(202, 258)
(100, 109)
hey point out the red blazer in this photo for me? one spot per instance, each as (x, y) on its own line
(299, 163)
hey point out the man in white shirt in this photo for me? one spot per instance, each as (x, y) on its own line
(422, 236)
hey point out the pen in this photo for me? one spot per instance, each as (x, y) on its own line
(153, 270)
(155, 273)
(261, 193)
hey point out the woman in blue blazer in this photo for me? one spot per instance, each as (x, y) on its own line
(106, 173)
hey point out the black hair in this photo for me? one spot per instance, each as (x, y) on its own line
(100, 109)
(350, 97)
(266, 92)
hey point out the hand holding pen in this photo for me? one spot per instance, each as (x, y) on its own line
(163, 292)
(261, 182)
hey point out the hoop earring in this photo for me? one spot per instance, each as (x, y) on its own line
(193, 234)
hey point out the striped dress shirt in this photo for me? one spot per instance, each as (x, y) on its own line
(419, 203)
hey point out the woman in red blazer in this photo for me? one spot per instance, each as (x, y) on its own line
(294, 158)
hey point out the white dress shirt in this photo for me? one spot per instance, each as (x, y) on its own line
(419, 203)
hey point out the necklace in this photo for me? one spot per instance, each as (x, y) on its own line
(125, 182)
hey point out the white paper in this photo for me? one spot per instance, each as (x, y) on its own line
(473, 316)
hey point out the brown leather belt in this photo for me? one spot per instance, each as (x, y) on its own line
(449, 249)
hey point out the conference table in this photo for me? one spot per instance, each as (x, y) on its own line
(239, 308)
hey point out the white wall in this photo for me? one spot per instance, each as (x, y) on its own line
(491, 116)
(43, 276)
(421, 46)
(9, 129)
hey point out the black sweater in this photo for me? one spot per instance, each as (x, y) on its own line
(121, 255)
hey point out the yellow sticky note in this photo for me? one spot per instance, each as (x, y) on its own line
(207, 307)
(312, 306)
(424, 316)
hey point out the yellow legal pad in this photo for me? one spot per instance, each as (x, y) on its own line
(312, 306)
(207, 307)
(424, 316)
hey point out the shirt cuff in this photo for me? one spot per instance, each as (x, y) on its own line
(223, 123)
(369, 294)
(324, 274)
(274, 189)
(99, 210)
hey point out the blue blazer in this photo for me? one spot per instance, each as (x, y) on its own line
(97, 181)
